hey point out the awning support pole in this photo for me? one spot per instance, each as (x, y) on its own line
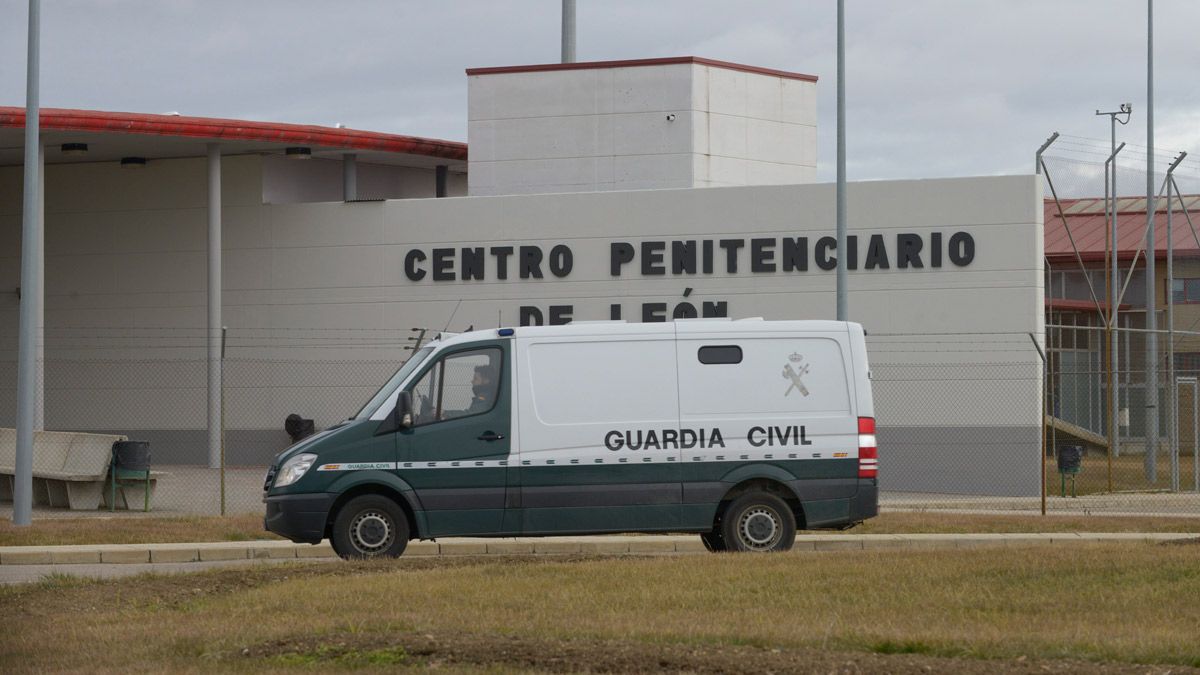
(349, 177)
(214, 305)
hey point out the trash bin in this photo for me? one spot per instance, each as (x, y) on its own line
(132, 455)
(130, 464)
(1070, 458)
(1070, 463)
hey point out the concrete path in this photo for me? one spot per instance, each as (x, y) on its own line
(29, 563)
(22, 574)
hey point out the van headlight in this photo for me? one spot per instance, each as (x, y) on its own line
(294, 468)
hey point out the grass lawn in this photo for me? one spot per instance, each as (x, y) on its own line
(102, 530)
(1095, 608)
(52, 532)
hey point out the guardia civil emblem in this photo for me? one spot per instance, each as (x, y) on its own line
(793, 372)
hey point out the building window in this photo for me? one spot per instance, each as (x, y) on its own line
(1185, 291)
(1187, 361)
(1062, 335)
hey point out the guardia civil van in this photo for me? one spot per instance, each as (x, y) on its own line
(740, 431)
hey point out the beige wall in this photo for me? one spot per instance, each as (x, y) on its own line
(645, 127)
(319, 306)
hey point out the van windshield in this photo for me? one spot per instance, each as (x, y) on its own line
(394, 381)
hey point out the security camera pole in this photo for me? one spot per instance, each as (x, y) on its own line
(1110, 271)
(31, 290)
(842, 261)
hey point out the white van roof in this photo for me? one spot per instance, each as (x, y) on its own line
(684, 326)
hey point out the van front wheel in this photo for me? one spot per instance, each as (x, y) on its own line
(760, 522)
(369, 526)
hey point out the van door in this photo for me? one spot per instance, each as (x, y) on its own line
(455, 455)
(599, 426)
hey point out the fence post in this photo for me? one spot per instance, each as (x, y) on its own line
(1042, 412)
(221, 365)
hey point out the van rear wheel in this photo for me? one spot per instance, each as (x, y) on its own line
(759, 522)
(369, 526)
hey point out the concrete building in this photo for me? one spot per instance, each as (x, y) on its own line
(587, 201)
(1077, 343)
(631, 125)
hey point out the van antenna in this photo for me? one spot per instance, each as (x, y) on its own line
(499, 318)
(452, 315)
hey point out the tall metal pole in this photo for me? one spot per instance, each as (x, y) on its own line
(1111, 272)
(1173, 406)
(1114, 349)
(1110, 257)
(39, 358)
(1151, 458)
(31, 288)
(1047, 391)
(214, 305)
(1110, 165)
(568, 31)
(842, 260)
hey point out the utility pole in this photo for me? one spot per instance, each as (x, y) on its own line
(842, 260)
(1150, 460)
(31, 288)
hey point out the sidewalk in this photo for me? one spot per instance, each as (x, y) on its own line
(607, 545)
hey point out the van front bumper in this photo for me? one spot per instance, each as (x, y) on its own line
(300, 518)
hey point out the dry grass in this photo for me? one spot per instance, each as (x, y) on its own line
(1128, 474)
(101, 530)
(949, 522)
(986, 609)
(249, 526)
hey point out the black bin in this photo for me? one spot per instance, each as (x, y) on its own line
(132, 455)
(1070, 458)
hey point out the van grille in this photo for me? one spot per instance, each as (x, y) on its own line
(270, 478)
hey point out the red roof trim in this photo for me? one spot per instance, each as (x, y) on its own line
(587, 65)
(242, 130)
(1081, 305)
(1125, 255)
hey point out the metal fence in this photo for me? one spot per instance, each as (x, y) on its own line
(963, 423)
(1153, 432)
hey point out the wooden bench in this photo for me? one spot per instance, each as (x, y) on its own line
(69, 469)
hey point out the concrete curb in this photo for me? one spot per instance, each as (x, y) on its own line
(609, 545)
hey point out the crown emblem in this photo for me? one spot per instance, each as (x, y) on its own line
(795, 358)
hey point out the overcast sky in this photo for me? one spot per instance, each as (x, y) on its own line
(934, 87)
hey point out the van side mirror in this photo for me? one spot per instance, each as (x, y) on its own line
(404, 417)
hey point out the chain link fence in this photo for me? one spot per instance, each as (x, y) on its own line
(963, 421)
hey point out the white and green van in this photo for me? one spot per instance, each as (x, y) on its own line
(740, 431)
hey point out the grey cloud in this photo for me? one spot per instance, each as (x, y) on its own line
(935, 87)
